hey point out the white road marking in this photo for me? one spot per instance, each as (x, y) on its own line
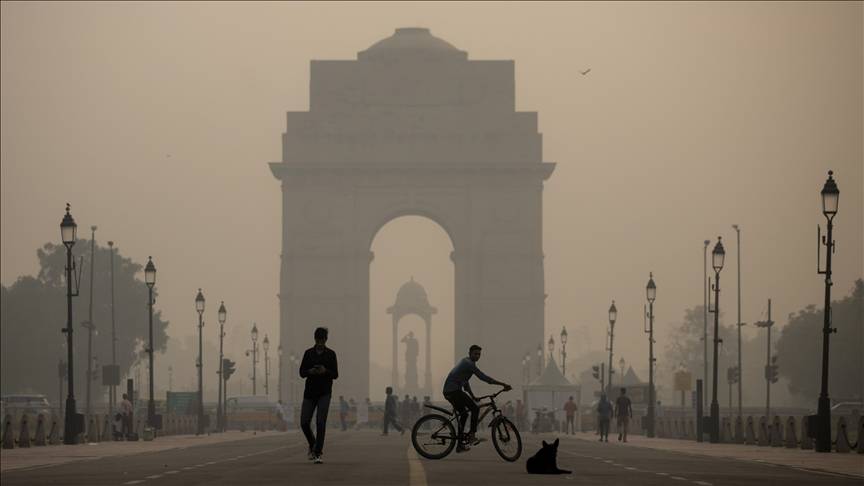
(416, 473)
(703, 483)
(661, 474)
(630, 468)
(171, 472)
(679, 478)
(188, 468)
(135, 482)
(155, 476)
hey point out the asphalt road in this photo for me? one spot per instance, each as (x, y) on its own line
(366, 458)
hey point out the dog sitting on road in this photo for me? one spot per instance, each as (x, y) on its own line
(545, 461)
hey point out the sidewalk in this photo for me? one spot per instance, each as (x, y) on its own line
(46, 456)
(847, 463)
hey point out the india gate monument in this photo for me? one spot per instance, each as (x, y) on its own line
(412, 127)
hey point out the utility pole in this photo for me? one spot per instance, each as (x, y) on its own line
(740, 378)
(705, 319)
(89, 324)
(112, 393)
(769, 369)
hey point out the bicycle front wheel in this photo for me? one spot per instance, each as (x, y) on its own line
(433, 436)
(507, 440)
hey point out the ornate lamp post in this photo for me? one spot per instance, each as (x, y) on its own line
(564, 350)
(68, 233)
(199, 306)
(539, 359)
(220, 411)
(266, 346)
(150, 280)
(254, 352)
(292, 359)
(830, 200)
(651, 295)
(718, 256)
(613, 316)
(279, 375)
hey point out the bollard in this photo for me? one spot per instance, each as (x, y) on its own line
(739, 430)
(860, 445)
(806, 440)
(762, 436)
(750, 432)
(726, 431)
(54, 434)
(106, 435)
(791, 439)
(92, 430)
(39, 439)
(776, 432)
(8, 437)
(842, 442)
(24, 433)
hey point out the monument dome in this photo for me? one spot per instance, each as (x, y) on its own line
(411, 42)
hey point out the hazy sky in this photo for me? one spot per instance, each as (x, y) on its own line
(156, 121)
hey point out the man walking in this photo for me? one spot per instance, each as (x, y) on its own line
(604, 415)
(390, 412)
(623, 412)
(320, 369)
(126, 412)
(570, 408)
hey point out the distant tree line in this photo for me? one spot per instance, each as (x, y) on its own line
(33, 312)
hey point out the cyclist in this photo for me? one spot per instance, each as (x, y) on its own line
(456, 382)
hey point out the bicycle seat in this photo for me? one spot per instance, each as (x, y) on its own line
(440, 409)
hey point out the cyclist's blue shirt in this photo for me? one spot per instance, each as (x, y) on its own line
(461, 373)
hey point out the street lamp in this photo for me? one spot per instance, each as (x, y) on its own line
(279, 375)
(830, 200)
(718, 257)
(150, 280)
(613, 316)
(539, 359)
(651, 295)
(199, 306)
(254, 357)
(564, 350)
(220, 410)
(266, 346)
(68, 234)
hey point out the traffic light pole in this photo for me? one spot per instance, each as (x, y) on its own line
(769, 375)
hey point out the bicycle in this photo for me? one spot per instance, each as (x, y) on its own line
(434, 435)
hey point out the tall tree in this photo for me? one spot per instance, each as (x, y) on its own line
(34, 312)
(799, 349)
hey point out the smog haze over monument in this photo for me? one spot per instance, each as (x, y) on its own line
(420, 177)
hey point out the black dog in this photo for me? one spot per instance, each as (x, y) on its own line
(544, 462)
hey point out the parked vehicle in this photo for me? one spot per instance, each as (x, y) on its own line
(32, 405)
(255, 412)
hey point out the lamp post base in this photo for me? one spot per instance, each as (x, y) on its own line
(69, 432)
(823, 428)
(715, 422)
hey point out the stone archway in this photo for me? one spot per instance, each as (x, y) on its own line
(412, 127)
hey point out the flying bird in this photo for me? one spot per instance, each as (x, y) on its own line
(585, 71)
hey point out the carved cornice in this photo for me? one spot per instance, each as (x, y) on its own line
(286, 170)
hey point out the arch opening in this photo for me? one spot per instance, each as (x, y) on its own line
(411, 265)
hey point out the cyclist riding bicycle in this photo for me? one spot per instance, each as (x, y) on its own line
(456, 381)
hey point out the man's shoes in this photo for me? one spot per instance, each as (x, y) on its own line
(318, 459)
(460, 447)
(310, 455)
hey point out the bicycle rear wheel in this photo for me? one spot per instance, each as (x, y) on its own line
(433, 436)
(506, 439)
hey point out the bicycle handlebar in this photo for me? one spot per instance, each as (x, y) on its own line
(492, 395)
